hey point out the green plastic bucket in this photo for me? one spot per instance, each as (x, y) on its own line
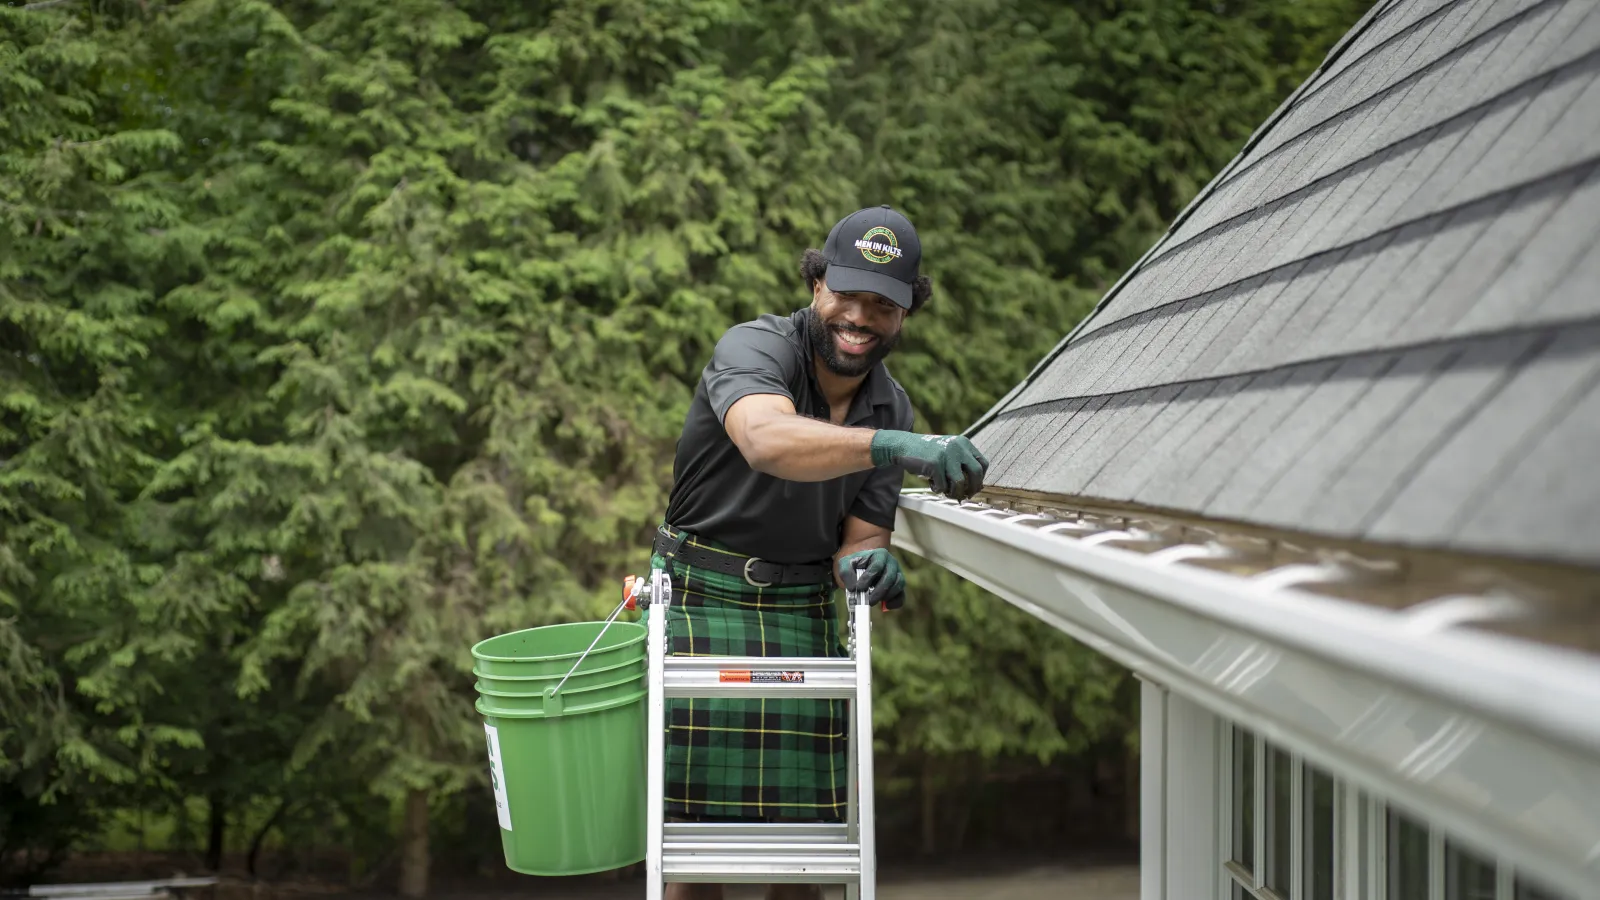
(552, 649)
(586, 677)
(571, 702)
(568, 769)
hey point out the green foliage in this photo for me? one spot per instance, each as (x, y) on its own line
(336, 337)
(966, 676)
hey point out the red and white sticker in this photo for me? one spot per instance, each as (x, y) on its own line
(747, 676)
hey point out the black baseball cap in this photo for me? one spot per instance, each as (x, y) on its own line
(873, 249)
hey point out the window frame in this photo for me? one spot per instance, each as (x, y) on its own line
(1359, 833)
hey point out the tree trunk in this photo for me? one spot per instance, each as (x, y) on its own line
(971, 787)
(261, 836)
(930, 808)
(414, 846)
(216, 832)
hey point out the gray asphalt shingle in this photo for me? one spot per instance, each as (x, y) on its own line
(1383, 322)
(1319, 410)
(1441, 495)
(1538, 507)
(1169, 429)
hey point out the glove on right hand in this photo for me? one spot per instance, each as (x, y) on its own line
(950, 461)
(877, 574)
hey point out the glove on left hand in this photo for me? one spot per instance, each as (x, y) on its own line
(877, 574)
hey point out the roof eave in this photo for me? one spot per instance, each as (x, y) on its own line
(1496, 739)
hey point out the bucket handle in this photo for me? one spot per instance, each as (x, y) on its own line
(609, 619)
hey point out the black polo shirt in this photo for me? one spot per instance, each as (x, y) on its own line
(715, 493)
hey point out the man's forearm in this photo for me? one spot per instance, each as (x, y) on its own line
(796, 448)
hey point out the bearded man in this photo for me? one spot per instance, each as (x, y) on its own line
(785, 486)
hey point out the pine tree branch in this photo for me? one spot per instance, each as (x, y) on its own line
(46, 4)
(49, 210)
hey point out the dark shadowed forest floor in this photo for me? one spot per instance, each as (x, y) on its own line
(1103, 882)
(1103, 879)
(1090, 876)
(1095, 882)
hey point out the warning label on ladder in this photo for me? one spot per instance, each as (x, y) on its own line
(746, 676)
(497, 776)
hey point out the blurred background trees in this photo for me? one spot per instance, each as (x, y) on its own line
(335, 337)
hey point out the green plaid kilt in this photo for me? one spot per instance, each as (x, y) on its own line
(757, 758)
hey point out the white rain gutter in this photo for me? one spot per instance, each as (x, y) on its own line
(1494, 739)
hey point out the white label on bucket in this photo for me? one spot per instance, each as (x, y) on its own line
(497, 775)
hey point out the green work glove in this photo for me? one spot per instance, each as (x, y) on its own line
(949, 461)
(876, 574)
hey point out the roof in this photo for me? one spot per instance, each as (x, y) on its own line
(1381, 321)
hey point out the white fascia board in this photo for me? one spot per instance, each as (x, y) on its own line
(1494, 740)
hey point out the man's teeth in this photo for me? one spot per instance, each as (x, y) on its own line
(853, 338)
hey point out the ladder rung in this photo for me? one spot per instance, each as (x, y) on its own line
(759, 676)
(828, 849)
(761, 832)
(762, 862)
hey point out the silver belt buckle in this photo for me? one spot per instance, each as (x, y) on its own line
(751, 581)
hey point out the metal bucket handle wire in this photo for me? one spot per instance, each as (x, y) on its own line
(609, 619)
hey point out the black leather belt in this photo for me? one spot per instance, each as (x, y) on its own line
(756, 572)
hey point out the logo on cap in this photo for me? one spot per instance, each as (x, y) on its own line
(879, 245)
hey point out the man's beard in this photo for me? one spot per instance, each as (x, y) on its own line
(822, 341)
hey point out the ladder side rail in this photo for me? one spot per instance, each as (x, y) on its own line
(852, 890)
(861, 750)
(655, 779)
(853, 778)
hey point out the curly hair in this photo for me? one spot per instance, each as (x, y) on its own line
(813, 265)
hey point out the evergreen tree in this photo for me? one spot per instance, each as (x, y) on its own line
(337, 337)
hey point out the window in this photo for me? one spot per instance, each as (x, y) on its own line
(1244, 806)
(1320, 839)
(1466, 876)
(1425, 863)
(1407, 857)
(1295, 806)
(1279, 823)
(1526, 889)
(1293, 831)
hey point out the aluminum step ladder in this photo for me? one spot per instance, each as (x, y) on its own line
(759, 853)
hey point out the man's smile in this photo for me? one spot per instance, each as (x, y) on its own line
(854, 341)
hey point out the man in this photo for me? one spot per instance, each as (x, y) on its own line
(785, 486)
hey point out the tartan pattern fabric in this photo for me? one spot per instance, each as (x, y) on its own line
(752, 758)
